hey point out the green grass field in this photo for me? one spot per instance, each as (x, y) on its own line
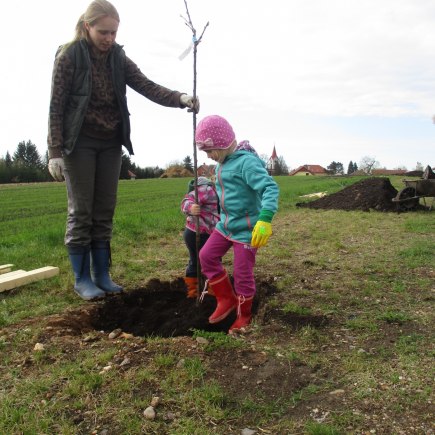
(369, 370)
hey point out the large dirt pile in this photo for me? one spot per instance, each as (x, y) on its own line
(368, 194)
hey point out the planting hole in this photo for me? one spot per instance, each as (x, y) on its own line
(162, 309)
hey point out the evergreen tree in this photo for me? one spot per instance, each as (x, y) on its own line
(5, 172)
(336, 168)
(281, 167)
(45, 160)
(126, 166)
(187, 163)
(27, 165)
(26, 155)
(8, 160)
(350, 169)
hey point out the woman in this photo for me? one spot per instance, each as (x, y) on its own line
(88, 124)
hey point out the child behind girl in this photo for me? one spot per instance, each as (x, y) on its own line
(207, 210)
(248, 198)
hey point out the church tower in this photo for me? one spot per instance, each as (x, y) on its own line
(272, 162)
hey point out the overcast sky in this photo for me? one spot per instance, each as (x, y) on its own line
(322, 80)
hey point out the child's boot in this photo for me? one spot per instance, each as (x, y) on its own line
(192, 286)
(226, 299)
(244, 314)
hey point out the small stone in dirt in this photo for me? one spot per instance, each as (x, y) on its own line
(169, 416)
(201, 340)
(149, 413)
(155, 401)
(180, 364)
(115, 333)
(39, 347)
(105, 370)
(90, 338)
(248, 431)
(124, 362)
(336, 392)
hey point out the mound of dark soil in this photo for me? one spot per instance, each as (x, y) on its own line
(414, 174)
(368, 194)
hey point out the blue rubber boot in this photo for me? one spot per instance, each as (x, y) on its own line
(101, 260)
(81, 262)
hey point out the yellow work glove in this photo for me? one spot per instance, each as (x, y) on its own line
(261, 233)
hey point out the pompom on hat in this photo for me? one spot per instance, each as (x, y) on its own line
(214, 133)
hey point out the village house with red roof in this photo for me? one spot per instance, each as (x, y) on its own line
(309, 170)
(131, 174)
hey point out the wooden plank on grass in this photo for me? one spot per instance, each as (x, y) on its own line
(4, 268)
(5, 276)
(17, 280)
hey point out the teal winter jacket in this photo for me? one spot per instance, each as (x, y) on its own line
(244, 188)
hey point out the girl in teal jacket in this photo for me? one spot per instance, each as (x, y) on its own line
(248, 198)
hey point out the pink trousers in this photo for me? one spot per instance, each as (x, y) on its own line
(211, 255)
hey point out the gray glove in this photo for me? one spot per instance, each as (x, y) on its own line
(56, 167)
(190, 102)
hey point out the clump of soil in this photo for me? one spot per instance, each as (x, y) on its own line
(414, 174)
(368, 194)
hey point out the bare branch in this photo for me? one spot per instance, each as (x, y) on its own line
(199, 39)
(190, 20)
(189, 24)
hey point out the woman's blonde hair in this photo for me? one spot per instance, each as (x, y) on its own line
(96, 10)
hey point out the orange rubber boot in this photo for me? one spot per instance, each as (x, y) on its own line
(224, 293)
(244, 314)
(192, 286)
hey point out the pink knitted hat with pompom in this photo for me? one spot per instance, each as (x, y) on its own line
(213, 133)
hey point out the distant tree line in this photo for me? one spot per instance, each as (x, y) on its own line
(337, 168)
(26, 165)
(127, 167)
